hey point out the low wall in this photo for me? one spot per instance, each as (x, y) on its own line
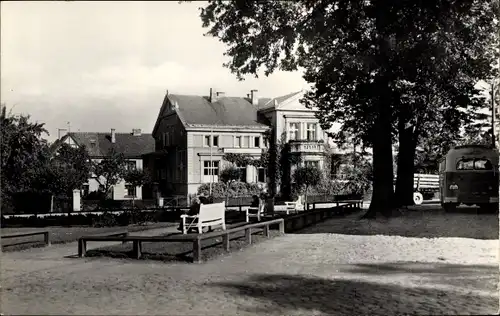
(304, 219)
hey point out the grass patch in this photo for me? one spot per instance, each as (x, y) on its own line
(62, 235)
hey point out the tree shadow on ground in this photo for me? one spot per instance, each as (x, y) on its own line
(299, 294)
(422, 222)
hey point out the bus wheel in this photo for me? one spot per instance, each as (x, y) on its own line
(449, 207)
(417, 198)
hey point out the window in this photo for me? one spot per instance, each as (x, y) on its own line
(474, 164)
(256, 141)
(293, 131)
(261, 174)
(131, 190)
(243, 172)
(237, 141)
(215, 141)
(209, 170)
(85, 190)
(131, 165)
(311, 131)
(167, 139)
(482, 164)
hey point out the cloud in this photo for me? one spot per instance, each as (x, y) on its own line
(108, 64)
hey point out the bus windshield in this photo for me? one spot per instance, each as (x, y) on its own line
(474, 164)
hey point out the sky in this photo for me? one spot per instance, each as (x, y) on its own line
(102, 65)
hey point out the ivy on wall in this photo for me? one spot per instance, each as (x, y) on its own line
(277, 159)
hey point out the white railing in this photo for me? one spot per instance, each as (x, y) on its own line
(306, 147)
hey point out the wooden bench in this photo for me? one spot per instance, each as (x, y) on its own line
(82, 244)
(295, 205)
(45, 234)
(310, 217)
(255, 212)
(209, 215)
(193, 238)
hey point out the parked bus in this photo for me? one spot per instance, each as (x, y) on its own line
(469, 175)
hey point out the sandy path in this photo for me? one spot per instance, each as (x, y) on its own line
(301, 274)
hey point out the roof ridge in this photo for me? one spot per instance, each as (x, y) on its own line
(127, 133)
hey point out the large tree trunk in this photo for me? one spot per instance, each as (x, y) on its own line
(383, 192)
(405, 168)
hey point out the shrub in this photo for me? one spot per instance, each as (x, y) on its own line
(91, 205)
(236, 189)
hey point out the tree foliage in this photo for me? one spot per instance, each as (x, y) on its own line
(229, 174)
(22, 153)
(136, 177)
(305, 178)
(383, 69)
(67, 169)
(110, 171)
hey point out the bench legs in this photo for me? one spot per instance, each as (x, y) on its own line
(248, 235)
(46, 238)
(266, 231)
(197, 251)
(82, 248)
(137, 249)
(225, 242)
(282, 227)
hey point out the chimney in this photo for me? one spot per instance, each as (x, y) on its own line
(254, 97)
(113, 136)
(213, 95)
(136, 132)
(220, 94)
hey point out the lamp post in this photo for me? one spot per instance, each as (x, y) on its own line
(493, 114)
(211, 142)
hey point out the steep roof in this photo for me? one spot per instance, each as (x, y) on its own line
(195, 111)
(278, 100)
(99, 144)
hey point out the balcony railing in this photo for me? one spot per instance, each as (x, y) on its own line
(306, 146)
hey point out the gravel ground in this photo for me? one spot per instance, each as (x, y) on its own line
(59, 234)
(427, 221)
(296, 274)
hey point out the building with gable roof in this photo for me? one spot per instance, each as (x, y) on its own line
(134, 146)
(192, 133)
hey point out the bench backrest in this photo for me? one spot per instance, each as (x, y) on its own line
(300, 200)
(211, 212)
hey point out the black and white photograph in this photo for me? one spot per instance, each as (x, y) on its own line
(307, 157)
